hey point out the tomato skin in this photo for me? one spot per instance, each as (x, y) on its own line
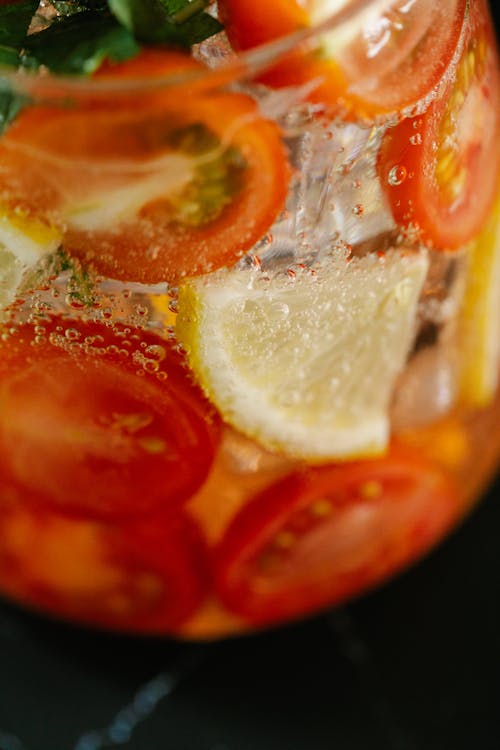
(288, 554)
(152, 62)
(132, 255)
(51, 176)
(249, 25)
(82, 430)
(417, 200)
(143, 576)
(359, 82)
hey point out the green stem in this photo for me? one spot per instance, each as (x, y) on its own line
(188, 11)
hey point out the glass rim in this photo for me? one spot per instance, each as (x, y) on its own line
(247, 64)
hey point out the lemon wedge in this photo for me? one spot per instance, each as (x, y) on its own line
(305, 361)
(24, 240)
(479, 325)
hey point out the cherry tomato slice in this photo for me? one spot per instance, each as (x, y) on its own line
(178, 186)
(385, 61)
(325, 534)
(440, 169)
(100, 422)
(144, 576)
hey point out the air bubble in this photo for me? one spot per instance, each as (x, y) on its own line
(397, 175)
(72, 334)
(416, 140)
(358, 209)
(156, 352)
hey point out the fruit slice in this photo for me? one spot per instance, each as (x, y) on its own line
(144, 576)
(440, 169)
(306, 363)
(388, 57)
(98, 422)
(325, 534)
(479, 327)
(154, 191)
(24, 240)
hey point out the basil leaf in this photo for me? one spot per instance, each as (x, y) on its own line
(145, 18)
(11, 104)
(179, 22)
(9, 56)
(15, 20)
(69, 7)
(195, 30)
(80, 43)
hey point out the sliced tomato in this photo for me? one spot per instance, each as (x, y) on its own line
(100, 422)
(440, 169)
(325, 534)
(384, 60)
(179, 185)
(146, 576)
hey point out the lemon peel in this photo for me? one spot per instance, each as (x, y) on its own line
(305, 362)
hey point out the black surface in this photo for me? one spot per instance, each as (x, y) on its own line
(415, 666)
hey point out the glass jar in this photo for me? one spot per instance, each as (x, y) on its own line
(250, 336)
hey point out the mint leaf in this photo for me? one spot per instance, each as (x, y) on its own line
(15, 20)
(80, 43)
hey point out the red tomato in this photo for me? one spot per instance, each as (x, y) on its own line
(145, 576)
(325, 534)
(179, 185)
(392, 58)
(100, 422)
(440, 169)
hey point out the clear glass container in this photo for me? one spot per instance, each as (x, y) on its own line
(250, 336)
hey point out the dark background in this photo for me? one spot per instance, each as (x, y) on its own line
(415, 666)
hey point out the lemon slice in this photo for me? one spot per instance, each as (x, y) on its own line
(479, 326)
(305, 362)
(23, 242)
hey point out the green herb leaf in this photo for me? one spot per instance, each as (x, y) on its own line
(194, 30)
(80, 43)
(81, 285)
(9, 56)
(179, 22)
(11, 104)
(15, 20)
(142, 17)
(69, 7)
